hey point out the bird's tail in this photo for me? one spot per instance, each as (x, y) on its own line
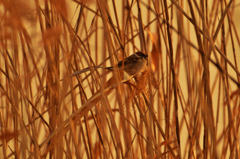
(88, 69)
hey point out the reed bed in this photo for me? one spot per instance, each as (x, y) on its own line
(185, 104)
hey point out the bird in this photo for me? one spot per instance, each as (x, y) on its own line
(133, 64)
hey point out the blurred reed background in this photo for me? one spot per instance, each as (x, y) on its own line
(184, 105)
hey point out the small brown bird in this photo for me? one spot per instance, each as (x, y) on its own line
(132, 64)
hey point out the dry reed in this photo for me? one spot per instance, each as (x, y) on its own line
(184, 105)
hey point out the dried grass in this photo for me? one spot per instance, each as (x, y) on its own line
(185, 105)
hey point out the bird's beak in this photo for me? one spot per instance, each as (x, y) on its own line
(145, 55)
